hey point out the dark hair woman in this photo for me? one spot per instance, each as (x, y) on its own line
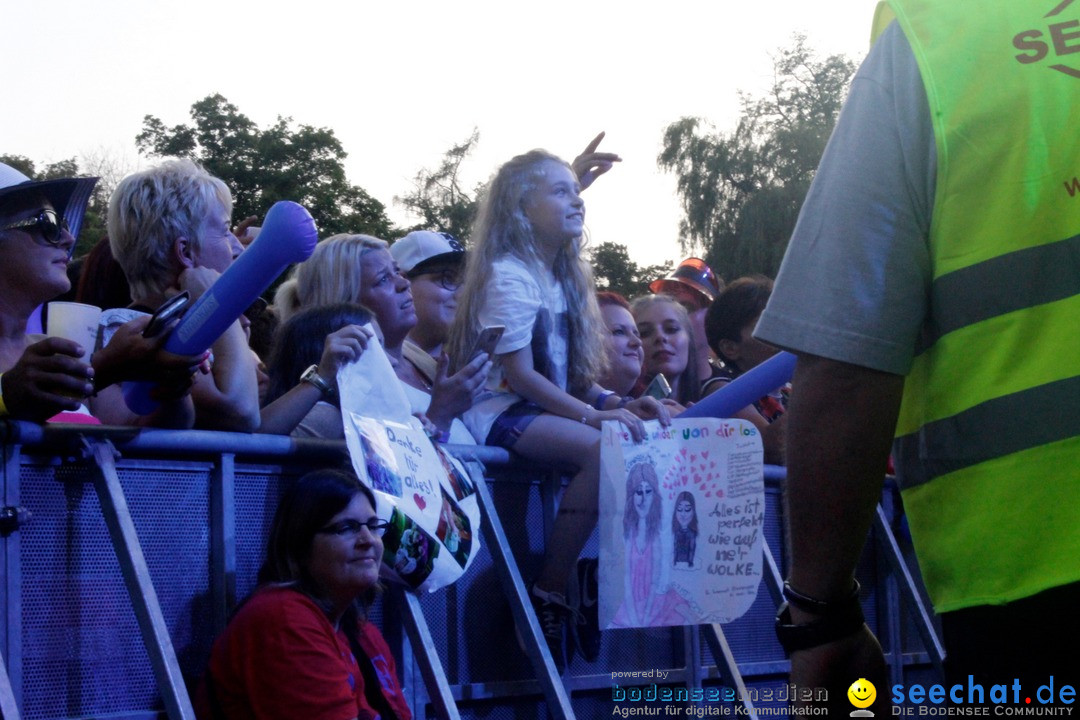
(729, 325)
(325, 337)
(300, 646)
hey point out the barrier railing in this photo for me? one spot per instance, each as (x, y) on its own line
(187, 512)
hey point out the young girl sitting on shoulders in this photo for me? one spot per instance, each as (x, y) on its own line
(526, 272)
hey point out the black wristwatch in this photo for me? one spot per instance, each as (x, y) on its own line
(834, 620)
(312, 376)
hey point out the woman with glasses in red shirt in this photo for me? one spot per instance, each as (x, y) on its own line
(300, 646)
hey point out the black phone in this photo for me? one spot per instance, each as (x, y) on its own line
(169, 310)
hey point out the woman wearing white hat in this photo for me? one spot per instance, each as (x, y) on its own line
(432, 261)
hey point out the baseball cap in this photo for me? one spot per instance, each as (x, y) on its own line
(423, 251)
(69, 196)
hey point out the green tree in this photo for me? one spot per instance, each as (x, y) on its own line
(614, 270)
(438, 198)
(21, 163)
(281, 162)
(741, 191)
(110, 167)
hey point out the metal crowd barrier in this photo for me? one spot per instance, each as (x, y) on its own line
(112, 598)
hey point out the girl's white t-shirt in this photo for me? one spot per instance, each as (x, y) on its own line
(532, 307)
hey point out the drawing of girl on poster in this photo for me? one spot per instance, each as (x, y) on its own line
(684, 530)
(648, 598)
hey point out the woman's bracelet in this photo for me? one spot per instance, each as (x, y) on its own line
(601, 399)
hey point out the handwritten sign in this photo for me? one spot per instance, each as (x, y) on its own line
(681, 523)
(425, 494)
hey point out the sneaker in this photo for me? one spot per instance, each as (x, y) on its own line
(551, 612)
(584, 595)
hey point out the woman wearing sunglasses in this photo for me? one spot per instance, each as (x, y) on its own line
(300, 646)
(41, 377)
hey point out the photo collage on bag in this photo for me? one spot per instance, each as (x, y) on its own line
(460, 482)
(454, 530)
(408, 549)
(380, 464)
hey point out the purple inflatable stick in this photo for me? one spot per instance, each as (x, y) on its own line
(746, 388)
(288, 236)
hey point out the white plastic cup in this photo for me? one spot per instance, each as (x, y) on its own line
(74, 321)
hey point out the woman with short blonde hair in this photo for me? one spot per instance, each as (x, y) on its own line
(150, 209)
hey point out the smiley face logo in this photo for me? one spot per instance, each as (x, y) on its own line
(862, 693)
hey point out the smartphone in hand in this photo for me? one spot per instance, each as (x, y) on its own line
(486, 342)
(659, 388)
(169, 311)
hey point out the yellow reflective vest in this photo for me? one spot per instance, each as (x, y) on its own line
(988, 440)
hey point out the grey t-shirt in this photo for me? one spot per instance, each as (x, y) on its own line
(854, 282)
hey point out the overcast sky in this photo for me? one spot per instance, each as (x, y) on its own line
(399, 82)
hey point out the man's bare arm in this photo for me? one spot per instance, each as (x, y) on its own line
(840, 427)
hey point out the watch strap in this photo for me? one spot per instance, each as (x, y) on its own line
(822, 630)
(312, 376)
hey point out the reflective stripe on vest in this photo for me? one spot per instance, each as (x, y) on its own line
(988, 439)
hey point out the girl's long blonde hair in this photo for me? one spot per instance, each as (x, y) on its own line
(501, 228)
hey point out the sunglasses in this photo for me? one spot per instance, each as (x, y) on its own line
(50, 227)
(349, 529)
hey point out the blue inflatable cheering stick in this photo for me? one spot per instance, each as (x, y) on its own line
(746, 388)
(288, 236)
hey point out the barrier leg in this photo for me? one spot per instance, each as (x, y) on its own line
(888, 630)
(11, 570)
(136, 573)
(773, 579)
(423, 645)
(692, 655)
(535, 647)
(8, 709)
(908, 591)
(223, 540)
(725, 663)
